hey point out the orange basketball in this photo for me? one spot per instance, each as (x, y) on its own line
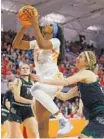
(23, 17)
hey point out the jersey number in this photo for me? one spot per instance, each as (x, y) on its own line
(28, 91)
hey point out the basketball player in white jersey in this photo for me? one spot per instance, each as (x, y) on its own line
(48, 51)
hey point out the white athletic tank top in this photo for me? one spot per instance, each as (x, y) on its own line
(46, 60)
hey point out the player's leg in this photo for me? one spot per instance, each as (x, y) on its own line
(31, 125)
(15, 131)
(45, 94)
(30, 121)
(15, 119)
(43, 116)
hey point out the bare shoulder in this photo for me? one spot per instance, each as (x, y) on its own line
(17, 81)
(83, 73)
(87, 72)
(90, 72)
(90, 76)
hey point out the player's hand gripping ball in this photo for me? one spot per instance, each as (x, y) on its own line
(23, 17)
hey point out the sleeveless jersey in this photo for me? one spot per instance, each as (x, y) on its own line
(92, 97)
(46, 60)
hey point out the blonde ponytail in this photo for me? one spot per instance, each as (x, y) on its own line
(95, 70)
(92, 62)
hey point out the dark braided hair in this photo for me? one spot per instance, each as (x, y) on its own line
(60, 36)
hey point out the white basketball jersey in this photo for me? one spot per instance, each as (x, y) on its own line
(46, 60)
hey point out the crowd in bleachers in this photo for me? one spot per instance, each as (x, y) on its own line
(11, 59)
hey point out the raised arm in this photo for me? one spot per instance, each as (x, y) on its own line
(70, 94)
(16, 91)
(43, 44)
(18, 43)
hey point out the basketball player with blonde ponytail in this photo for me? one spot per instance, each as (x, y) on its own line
(90, 91)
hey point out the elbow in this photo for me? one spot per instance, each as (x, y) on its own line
(42, 46)
(64, 98)
(14, 45)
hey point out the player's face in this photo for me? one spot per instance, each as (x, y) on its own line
(81, 61)
(25, 70)
(47, 32)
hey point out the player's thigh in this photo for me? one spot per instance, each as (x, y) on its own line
(41, 112)
(31, 124)
(51, 90)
